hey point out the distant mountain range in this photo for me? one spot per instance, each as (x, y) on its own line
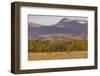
(65, 28)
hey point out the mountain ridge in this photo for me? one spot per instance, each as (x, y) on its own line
(64, 26)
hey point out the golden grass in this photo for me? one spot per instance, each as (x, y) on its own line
(57, 55)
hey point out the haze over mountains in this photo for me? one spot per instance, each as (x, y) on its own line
(65, 28)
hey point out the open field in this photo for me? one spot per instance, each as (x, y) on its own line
(57, 49)
(57, 55)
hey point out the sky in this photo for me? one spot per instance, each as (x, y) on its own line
(51, 20)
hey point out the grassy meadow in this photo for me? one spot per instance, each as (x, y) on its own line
(57, 49)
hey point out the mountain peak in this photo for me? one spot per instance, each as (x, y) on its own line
(64, 20)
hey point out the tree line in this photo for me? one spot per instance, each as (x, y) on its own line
(57, 45)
